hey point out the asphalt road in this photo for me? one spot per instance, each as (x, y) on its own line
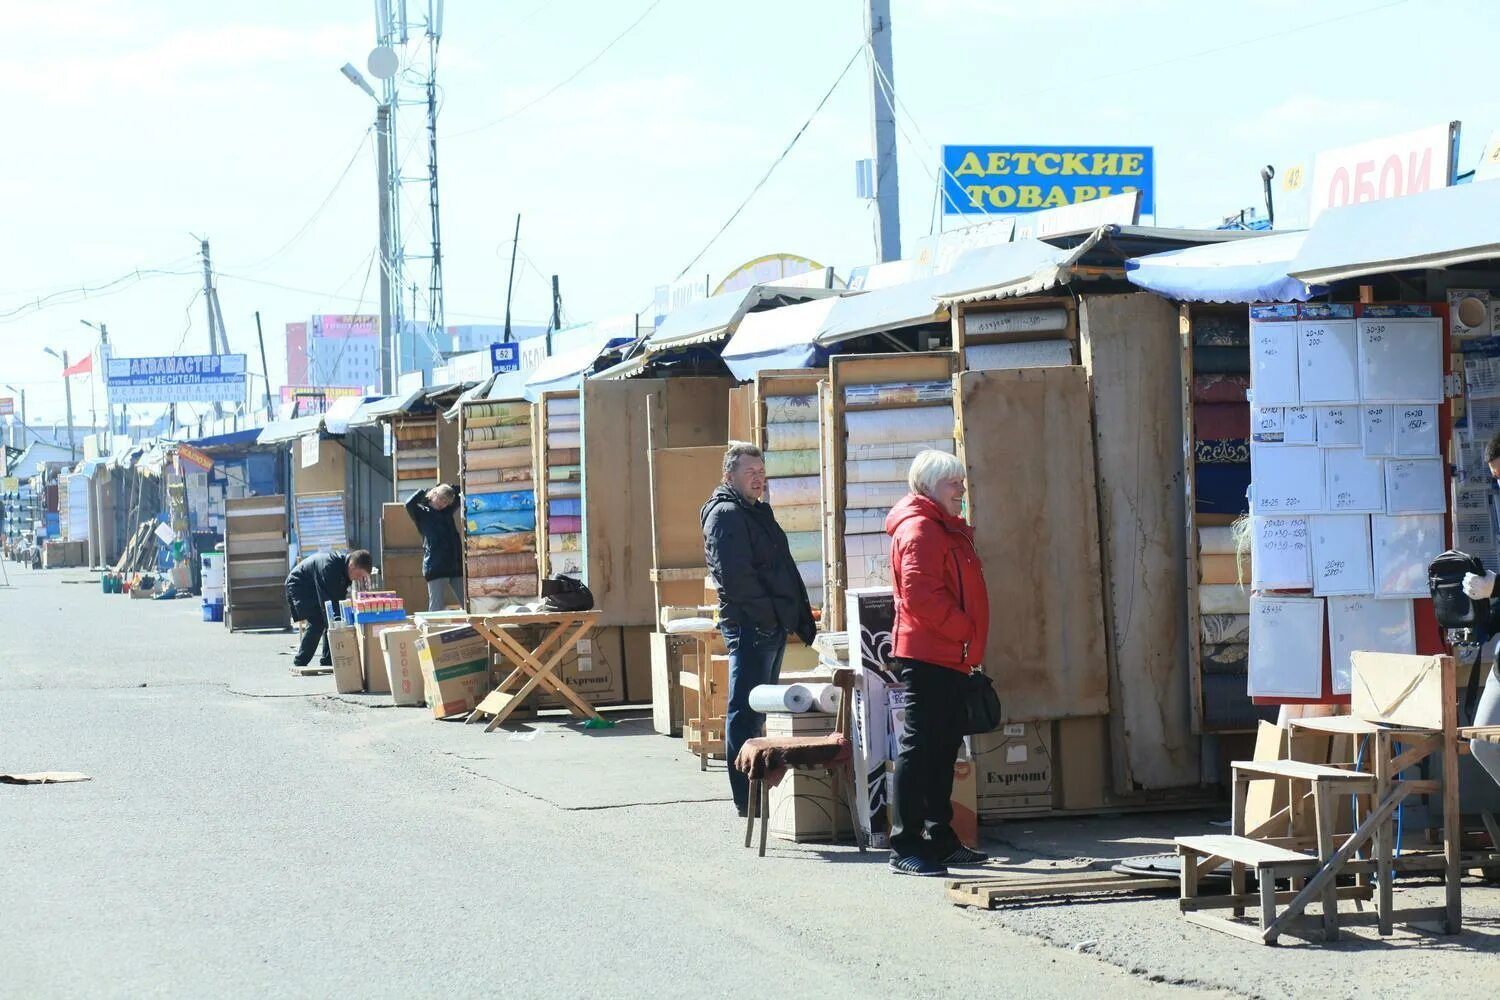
(247, 833)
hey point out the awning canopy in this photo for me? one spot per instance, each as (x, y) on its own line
(346, 412)
(1006, 270)
(281, 431)
(888, 308)
(788, 337)
(390, 406)
(716, 318)
(629, 368)
(234, 439)
(1455, 225)
(564, 370)
(1248, 270)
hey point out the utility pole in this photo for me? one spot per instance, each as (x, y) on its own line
(264, 370)
(68, 396)
(555, 323)
(510, 282)
(389, 364)
(208, 296)
(436, 319)
(883, 114)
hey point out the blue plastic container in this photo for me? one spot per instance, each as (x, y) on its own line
(213, 611)
(369, 617)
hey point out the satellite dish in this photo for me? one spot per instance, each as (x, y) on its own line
(383, 62)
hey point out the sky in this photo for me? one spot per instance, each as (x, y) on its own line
(138, 126)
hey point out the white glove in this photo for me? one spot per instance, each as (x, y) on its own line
(1479, 587)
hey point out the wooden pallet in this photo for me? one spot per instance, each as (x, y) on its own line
(988, 893)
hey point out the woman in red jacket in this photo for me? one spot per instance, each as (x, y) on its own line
(942, 624)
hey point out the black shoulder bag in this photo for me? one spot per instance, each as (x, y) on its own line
(982, 710)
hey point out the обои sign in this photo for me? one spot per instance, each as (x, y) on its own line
(1003, 179)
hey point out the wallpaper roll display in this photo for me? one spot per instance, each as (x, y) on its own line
(414, 455)
(888, 450)
(496, 437)
(562, 439)
(501, 564)
(867, 521)
(563, 422)
(787, 409)
(812, 579)
(564, 406)
(498, 458)
(416, 432)
(898, 393)
(518, 541)
(503, 522)
(564, 456)
(917, 423)
(521, 585)
(799, 517)
(564, 489)
(1216, 540)
(865, 495)
(795, 492)
(565, 473)
(807, 546)
(564, 525)
(800, 436)
(1221, 388)
(566, 507)
(781, 464)
(483, 503)
(565, 541)
(565, 561)
(1224, 628)
(877, 470)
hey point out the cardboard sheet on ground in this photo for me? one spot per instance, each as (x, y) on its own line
(1286, 647)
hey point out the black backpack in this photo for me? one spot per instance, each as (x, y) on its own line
(1445, 581)
(561, 594)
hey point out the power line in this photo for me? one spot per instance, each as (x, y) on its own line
(772, 169)
(565, 81)
(84, 291)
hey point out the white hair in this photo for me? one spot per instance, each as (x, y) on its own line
(930, 468)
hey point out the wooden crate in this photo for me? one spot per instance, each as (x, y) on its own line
(255, 563)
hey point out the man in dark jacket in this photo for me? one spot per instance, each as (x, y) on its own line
(761, 595)
(442, 553)
(324, 576)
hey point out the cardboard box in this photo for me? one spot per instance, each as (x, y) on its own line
(343, 646)
(871, 614)
(871, 737)
(965, 822)
(595, 668)
(455, 670)
(1083, 762)
(372, 656)
(800, 724)
(403, 666)
(803, 808)
(1014, 769)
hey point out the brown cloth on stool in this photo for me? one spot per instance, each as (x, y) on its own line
(767, 758)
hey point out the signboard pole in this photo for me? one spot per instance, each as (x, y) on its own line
(882, 96)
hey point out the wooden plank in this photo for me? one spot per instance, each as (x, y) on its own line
(1244, 850)
(1401, 689)
(681, 480)
(1185, 374)
(694, 412)
(616, 486)
(1029, 451)
(1299, 770)
(741, 424)
(1131, 351)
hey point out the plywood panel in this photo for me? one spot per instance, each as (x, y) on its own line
(693, 411)
(327, 476)
(617, 497)
(742, 413)
(681, 480)
(447, 442)
(1131, 351)
(1030, 455)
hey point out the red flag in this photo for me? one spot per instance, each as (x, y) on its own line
(82, 367)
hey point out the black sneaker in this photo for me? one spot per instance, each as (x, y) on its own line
(912, 865)
(966, 856)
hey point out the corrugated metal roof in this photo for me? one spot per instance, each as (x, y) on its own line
(1008, 270)
(713, 319)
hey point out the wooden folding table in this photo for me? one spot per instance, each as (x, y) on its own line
(534, 667)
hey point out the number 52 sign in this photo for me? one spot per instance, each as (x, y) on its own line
(1384, 168)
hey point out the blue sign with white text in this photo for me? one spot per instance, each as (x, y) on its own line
(991, 180)
(195, 378)
(505, 357)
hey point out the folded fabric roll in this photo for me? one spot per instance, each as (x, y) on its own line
(502, 564)
(1221, 329)
(568, 507)
(795, 491)
(563, 440)
(514, 409)
(791, 409)
(564, 541)
(861, 495)
(1224, 452)
(877, 470)
(800, 517)
(564, 525)
(564, 456)
(485, 480)
(483, 503)
(497, 437)
(564, 489)
(516, 541)
(918, 423)
(806, 546)
(792, 463)
(564, 404)
(867, 521)
(1226, 658)
(498, 458)
(1223, 599)
(503, 586)
(1220, 489)
(1216, 540)
(1218, 421)
(563, 421)
(1223, 568)
(1224, 628)
(1221, 360)
(882, 451)
(801, 435)
(565, 473)
(561, 561)
(501, 522)
(1220, 388)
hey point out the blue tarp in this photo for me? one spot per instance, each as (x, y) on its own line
(235, 439)
(1246, 270)
(1456, 225)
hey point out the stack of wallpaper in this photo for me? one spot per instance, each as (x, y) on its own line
(1221, 412)
(564, 486)
(879, 448)
(416, 455)
(795, 485)
(499, 505)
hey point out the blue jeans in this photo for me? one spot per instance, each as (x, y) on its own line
(754, 659)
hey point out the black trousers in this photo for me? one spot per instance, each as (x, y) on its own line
(307, 609)
(922, 810)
